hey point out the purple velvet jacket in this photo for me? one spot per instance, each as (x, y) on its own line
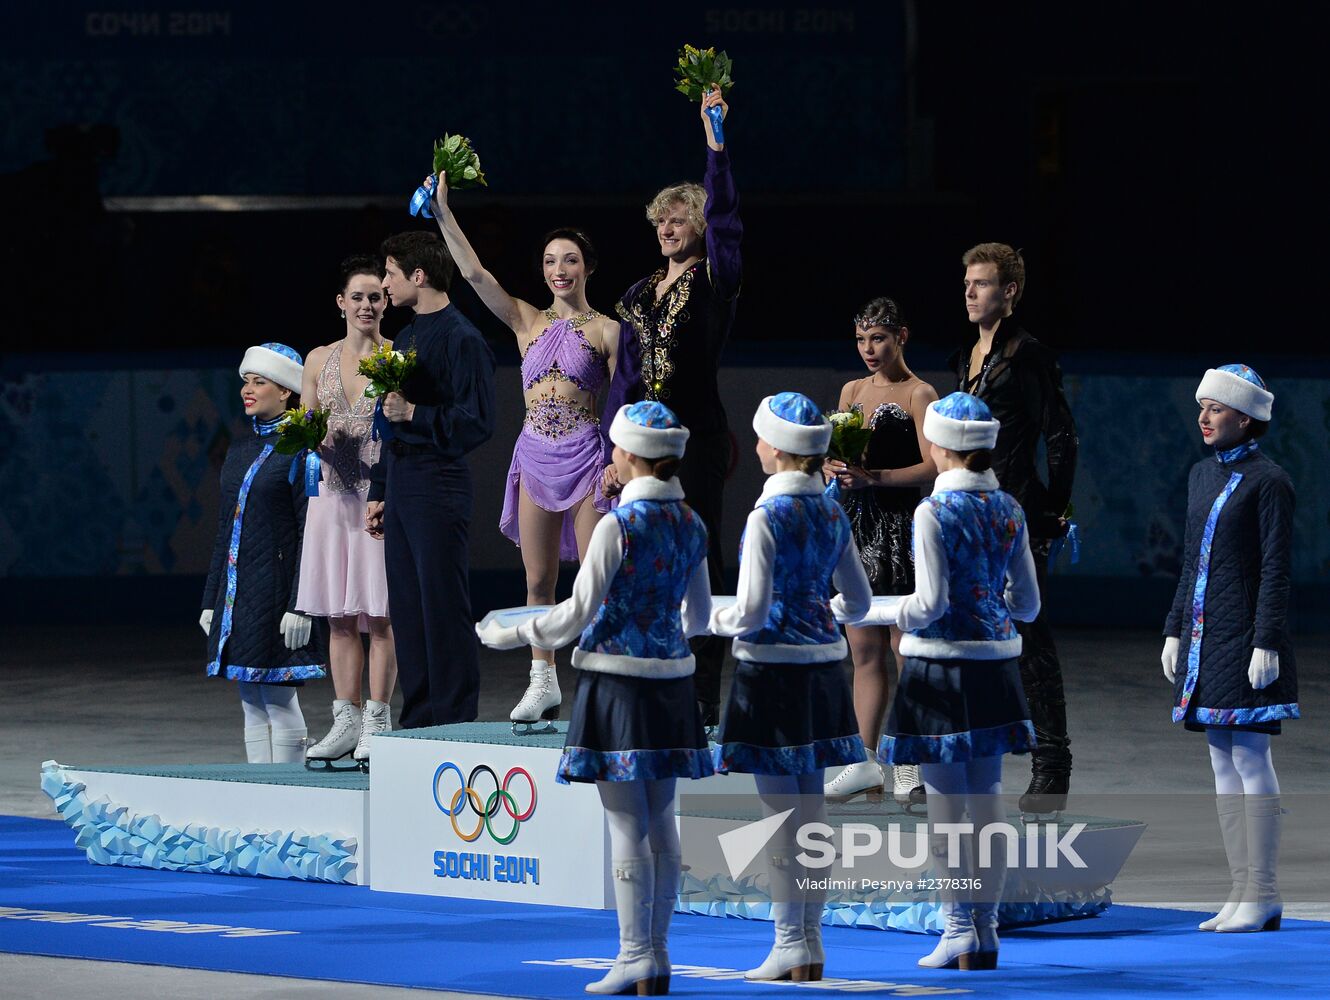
(670, 350)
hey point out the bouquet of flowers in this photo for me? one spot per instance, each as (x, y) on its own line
(849, 435)
(849, 439)
(699, 72)
(457, 161)
(301, 433)
(386, 370)
(302, 430)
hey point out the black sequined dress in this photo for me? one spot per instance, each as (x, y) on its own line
(882, 517)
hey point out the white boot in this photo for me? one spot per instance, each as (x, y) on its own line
(789, 957)
(634, 969)
(1233, 828)
(959, 947)
(1260, 908)
(990, 883)
(341, 738)
(540, 702)
(258, 745)
(863, 778)
(376, 719)
(666, 897)
(815, 901)
(288, 745)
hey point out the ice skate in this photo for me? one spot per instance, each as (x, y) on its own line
(377, 718)
(861, 779)
(907, 788)
(540, 703)
(340, 741)
(1046, 796)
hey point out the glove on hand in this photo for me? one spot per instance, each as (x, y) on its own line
(1264, 669)
(497, 636)
(205, 622)
(295, 629)
(1169, 658)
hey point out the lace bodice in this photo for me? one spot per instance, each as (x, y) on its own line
(348, 451)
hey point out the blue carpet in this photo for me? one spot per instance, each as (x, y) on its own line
(352, 934)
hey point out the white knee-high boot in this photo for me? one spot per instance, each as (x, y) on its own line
(1233, 828)
(634, 969)
(1260, 908)
(959, 946)
(665, 897)
(258, 744)
(789, 957)
(815, 901)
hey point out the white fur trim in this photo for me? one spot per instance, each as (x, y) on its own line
(651, 488)
(781, 652)
(791, 484)
(271, 365)
(959, 435)
(633, 666)
(787, 436)
(647, 442)
(954, 649)
(965, 481)
(1235, 391)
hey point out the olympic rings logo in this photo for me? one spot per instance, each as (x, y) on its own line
(483, 809)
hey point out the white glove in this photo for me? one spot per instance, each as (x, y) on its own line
(295, 629)
(205, 622)
(497, 636)
(1169, 658)
(1264, 669)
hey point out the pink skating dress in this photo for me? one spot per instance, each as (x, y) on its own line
(341, 566)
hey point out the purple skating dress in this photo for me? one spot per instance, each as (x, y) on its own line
(559, 455)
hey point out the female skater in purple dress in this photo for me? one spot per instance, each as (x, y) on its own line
(569, 350)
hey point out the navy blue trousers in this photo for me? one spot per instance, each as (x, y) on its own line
(427, 518)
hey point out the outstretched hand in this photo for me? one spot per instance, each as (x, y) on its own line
(713, 99)
(439, 198)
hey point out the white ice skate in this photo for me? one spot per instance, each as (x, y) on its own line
(864, 778)
(341, 739)
(540, 703)
(377, 718)
(907, 788)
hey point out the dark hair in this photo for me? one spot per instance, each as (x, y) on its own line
(808, 464)
(665, 468)
(424, 251)
(979, 460)
(880, 312)
(1257, 429)
(1008, 261)
(293, 400)
(360, 263)
(573, 236)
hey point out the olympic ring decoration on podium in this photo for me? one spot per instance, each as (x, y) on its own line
(485, 810)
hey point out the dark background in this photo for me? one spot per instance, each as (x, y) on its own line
(1151, 160)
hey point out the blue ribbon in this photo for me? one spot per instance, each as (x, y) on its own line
(421, 199)
(833, 489)
(382, 428)
(1072, 538)
(717, 115)
(313, 471)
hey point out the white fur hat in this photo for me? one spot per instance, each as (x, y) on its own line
(790, 422)
(274, 361)
(1239, 387)
(649, 430)
(961, 422)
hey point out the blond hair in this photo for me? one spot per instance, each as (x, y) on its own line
(692, 196)
(1010, 264)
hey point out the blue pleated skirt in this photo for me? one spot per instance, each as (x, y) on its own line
(788, 718)
(633, 728)
(956, 710)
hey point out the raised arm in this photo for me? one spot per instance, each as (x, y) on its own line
(753, 595)
(724, 229)
(517, 315)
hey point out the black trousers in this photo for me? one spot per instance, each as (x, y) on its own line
(1041, 676)
(427, 518)
(706, 463)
